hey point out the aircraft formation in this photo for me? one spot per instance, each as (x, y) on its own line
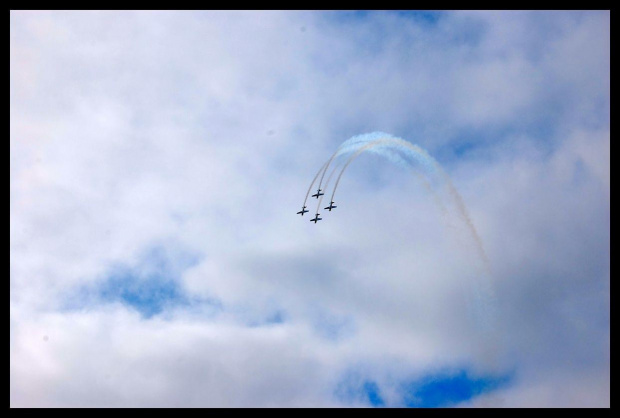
(396, 150)
(402, 153)
(316, 218)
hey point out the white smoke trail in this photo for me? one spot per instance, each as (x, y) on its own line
(353, 157)
(379, 142)
(349, 145)
(341, 149)
(312, 184)
(318, 206)
(382, 147)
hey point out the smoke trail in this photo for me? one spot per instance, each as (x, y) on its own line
(343, 148)
(353, 157)
(380, 142)
(318, 206)
(313, 181)
(463, 212)
(378, 146)
(347, 146)
(377, 141)
(326, 166)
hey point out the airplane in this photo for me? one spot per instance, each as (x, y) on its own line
(331, 206)
(316, 219)
(302, 211)
(318, 193)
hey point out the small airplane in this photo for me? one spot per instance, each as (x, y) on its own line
(318, 193)
(302, 211)
(331, 206)
(315, 219)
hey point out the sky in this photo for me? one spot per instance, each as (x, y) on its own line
(158, 160)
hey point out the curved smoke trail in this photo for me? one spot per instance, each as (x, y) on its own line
(375, 147)
(324, 168)
(380, 142)
(353, 157)
(318, 206)
(341, 150)
(313, 181)
(347, 146)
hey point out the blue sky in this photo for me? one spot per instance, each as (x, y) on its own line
(158, 160)
(432, 390)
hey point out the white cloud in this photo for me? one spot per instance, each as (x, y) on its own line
(198, 132)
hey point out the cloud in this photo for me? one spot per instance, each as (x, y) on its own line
(165, 153)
